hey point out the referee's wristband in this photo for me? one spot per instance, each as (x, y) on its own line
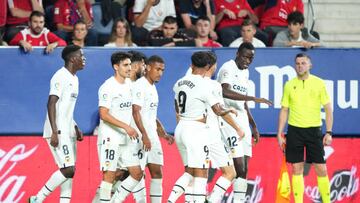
(329, 132)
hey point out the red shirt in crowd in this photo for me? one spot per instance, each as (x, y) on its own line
(277, 14)
(212, 43)
(67, 12)
(235, 7)
(21, 4)
(43, 39)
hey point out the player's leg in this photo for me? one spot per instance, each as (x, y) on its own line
(200, 182)
(240, 183)
(66, 187)
(294, 152)
(96, 198)
(181, 185)
(155, 159)
(315, 154)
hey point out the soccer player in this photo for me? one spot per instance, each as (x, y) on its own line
(137, 65)
(302, 100)
(60, 130)
(192, 97)
(234, 79)
(115, 109)
(145, 103)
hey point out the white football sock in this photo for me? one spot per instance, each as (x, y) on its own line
(56, 179)
(65, 191)
(199, 192)
(180, 186)
(139, 192)
(222, 184)
(240, 187)
(156, 190)
(105, 192)
(125, 188)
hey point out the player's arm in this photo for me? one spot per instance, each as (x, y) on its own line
(177, 111)
(51, 107)
(224, 113)
(230, 94)
(162, 132)
(329, 123)
(252, 122)
(281, 125)
(107, 117)
(138, 121)
(140, 18)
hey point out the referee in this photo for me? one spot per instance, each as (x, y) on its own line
(302, 100)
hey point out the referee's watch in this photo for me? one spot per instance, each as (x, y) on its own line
(329, 132)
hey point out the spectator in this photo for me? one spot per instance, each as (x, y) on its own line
(230, 14)
(203, 30)
(170, 35)
(248, 30)
(274, 17)
(18, 15)
(148, 16)
(79, 34)
(37, 35)
(295, 35)
(3, 13)
(191, 10)
(120, 34)
(67, 13)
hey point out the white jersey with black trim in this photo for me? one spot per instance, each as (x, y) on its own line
(194, 94)
(117, 98)
(237, 79)
(64, 85)
(145, 95)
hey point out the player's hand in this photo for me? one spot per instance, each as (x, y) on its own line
(234, 111)
(146, 143)
(169, 138)
(327, 140)
(281, 141)
(256, 136)
(79, 134)
(131, 132)
(26, 45)
(263, 100)
(54, 140)
(50, 48)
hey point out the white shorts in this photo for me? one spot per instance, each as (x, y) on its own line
(191, 140)
(65, 154)
(114, 156)
(220, 155)
(154, 156)
(242, 147)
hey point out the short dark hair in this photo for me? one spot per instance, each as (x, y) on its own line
(37, 14)
(295, 17)
(200, 59)
(245, 45)
(170, 20)
(205, 18)
(137, 56)
(154, 59)
(300, 55)
(212, 58)
(119, 56)
(79, 22)
(68, 52)
(248, 21)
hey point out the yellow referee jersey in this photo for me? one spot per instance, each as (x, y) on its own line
(304, 99)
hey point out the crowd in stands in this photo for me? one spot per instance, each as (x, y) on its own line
(131, 23)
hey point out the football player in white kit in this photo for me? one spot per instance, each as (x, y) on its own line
(115, 109)
(60, 130)
(234, 78)
(193, 94)
(145, 103)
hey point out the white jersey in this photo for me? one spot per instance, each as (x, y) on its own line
(193, 96)
(118, 99)
(238, 81)
(65, 85)
(145, 95)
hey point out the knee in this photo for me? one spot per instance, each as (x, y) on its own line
(68, 172)
(137, 174)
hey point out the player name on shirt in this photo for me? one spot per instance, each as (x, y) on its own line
(187, 83)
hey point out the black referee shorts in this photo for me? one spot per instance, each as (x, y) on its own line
(310, 138)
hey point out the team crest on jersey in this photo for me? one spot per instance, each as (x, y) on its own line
(105, 96)
(67, 159)
(57, 85)
(225, 74)
(107, 163)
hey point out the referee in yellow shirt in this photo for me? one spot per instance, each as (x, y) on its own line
(302, 100)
